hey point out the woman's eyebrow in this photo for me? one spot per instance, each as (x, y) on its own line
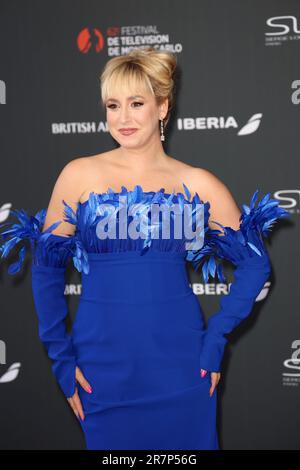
(129, 98)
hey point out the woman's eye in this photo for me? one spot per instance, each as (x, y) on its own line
(112, 106)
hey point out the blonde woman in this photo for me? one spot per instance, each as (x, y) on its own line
(140, 369)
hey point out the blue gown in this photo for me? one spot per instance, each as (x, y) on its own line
(139, 334)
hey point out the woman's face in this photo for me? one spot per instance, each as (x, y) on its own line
(140, 112)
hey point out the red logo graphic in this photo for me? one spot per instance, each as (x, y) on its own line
(88, 40)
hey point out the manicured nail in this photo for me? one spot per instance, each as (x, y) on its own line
(203, 373)
(89, 390)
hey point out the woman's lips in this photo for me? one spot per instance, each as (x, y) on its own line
(128, 132)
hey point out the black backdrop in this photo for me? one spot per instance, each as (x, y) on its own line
(237, 115)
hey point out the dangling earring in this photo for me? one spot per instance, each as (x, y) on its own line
(162, 137)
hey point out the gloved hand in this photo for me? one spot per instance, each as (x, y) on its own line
(246, 250)
(50, 256)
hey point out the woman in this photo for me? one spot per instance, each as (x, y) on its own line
(139, 368)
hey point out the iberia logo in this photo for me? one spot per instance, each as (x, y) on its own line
(89, 40)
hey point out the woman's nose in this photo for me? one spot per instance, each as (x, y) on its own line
(124, 114)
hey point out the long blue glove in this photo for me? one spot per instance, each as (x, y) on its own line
(246, 250)
(50, 256)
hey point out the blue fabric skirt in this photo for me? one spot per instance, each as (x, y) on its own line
(137, 334)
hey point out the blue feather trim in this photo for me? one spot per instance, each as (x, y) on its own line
(143, 201)
(47, 249)
(237, 245)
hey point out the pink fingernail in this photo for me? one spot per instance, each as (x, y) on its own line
(89, 390)
(203, 373)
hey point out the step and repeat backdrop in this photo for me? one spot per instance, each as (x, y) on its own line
(237, 115)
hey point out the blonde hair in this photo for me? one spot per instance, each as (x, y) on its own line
(141, 69)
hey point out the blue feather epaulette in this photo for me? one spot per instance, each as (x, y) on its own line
(47, 249)
(236, 245)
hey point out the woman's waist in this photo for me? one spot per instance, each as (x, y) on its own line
(132, 276)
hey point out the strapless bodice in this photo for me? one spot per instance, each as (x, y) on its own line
(127, 210)
(115, 222)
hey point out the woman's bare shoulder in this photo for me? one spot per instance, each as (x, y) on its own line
(74, 178)
(211, 188)
(83, 169)
(86, 163)
(196, 179)
(204, 181)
